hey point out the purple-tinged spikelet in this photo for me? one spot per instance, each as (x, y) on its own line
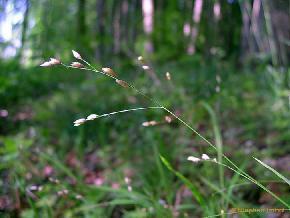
(77, 65)
(122, 83)
(51, 62)
(109, 71)
(76, 55)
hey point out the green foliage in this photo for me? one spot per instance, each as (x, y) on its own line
(242, 108)
(56, 109)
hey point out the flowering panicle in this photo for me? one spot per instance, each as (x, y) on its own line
(203, 157)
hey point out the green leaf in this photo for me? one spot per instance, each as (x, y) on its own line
(189, 184)
(274, 171)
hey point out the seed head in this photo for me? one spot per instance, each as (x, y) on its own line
(51, 62)
(76, 55)
(79, 121)
(54, 61)
(122, 83)
(145, 124)
(79, 197)
(62, 192)
(92, 117)
(145, 67)
(127, 180)
(65, 191)
(109, 71)
(168, 76)
(129, 188)
(168, 119)
(77, 65)
(153, 123)
(33, 188)
(56, 181)
(149, 123)
(46, 64)
(205, 157)
(193, 159)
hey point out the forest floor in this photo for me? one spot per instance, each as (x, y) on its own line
(111, 167)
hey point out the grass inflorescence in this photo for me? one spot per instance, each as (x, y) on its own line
(221, 159)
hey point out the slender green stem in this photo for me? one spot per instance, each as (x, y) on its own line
(254, 181)
(237, 170)
(250, 183)
(127, 110)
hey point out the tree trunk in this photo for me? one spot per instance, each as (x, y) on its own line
(24, 29)
(148, 17)
(196, 15)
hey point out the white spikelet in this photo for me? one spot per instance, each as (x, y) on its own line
(205, 157)
(193, 159)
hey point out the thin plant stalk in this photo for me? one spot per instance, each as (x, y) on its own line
(160, 106)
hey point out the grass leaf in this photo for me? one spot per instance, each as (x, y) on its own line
(189, 184)
(274, 171)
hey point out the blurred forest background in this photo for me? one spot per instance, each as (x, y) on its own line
(229, 67)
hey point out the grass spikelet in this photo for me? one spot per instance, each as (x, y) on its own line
(62, 192)
(79, 197)
(51, 62)
(193, 159)
(79, 122)
(205, 157)
(168, 119)
(46, 64)
(168, 76)
(77, 65)
(145, 67)
(55, 61)
(149, 123)
(109, 71)
(92, 117)
(122, 83)
(76, 55)
(232, 166)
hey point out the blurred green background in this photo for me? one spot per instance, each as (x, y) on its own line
(229, 67)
